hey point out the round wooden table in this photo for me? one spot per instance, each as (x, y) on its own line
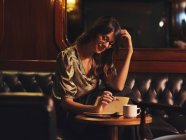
(113, 122)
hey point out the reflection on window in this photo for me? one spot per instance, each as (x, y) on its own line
(148, 22)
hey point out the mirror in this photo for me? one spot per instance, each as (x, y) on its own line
(151, 23)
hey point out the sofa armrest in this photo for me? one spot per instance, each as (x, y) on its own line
(160, 124)
(159, 106)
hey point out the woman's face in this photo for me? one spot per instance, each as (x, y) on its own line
(104, 42)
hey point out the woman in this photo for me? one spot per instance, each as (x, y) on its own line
(83, 68)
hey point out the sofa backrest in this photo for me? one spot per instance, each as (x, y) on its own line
(154, 87)
(19, 81)
(163, 88)
(27, 116)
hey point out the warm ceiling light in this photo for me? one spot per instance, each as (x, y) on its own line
(71, 4)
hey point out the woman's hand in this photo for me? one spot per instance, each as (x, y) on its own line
(105, 99)
(126, 40)
(180, 44)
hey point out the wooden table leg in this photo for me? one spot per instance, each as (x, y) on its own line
(114, 133)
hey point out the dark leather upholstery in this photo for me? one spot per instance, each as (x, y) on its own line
(169, 89)
(172, 137)
(27, 116)
(15, 81)
(158, 88)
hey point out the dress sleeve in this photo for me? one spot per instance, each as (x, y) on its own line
(65, 72)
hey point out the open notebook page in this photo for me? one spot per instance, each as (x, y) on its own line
(115, 106)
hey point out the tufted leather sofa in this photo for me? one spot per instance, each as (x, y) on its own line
(27, 116)
(163, 88)
(16, 81)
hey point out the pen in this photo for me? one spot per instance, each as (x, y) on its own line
(114, 98)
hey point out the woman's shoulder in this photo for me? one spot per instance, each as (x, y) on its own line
(68, 52)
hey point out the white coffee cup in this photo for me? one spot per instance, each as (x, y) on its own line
(131, 111)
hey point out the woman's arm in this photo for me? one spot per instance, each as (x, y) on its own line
(118, 81)
(70, 105)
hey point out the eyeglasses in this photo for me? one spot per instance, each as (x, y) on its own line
(106, 39)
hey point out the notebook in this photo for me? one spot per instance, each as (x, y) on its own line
(115, 106)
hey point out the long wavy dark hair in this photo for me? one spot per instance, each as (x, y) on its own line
(103, 25)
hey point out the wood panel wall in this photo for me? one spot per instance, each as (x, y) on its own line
(28, 30)
(27, 34)
(155, 60)
(33, 31)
